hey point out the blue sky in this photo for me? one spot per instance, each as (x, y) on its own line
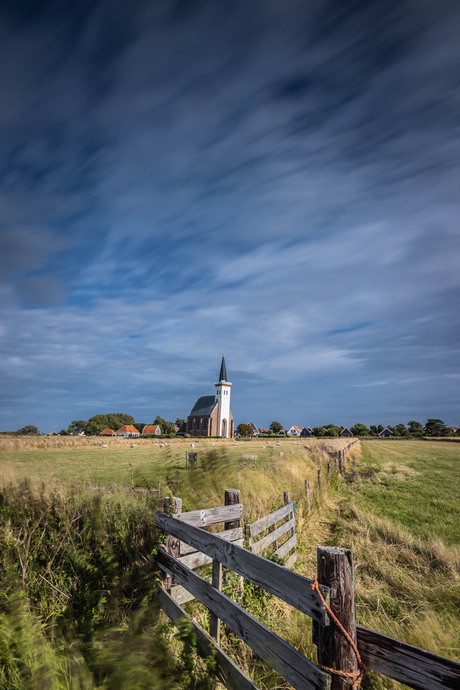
(278, 180)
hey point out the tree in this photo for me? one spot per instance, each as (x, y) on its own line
(332, 430)
(165, 427)
(319, 431)
(276, 427)
(401, 430)
(373, 430)
(360, 430)
(179, 422)
(113, 420)
(244, 430)
(139, 426)
(436, 427)
(415, 428)
(78, 425)
(29, 429)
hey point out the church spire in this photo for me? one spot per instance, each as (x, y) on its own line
(223, 370)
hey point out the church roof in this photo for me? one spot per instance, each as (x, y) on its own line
(223, 370)
(203, 406)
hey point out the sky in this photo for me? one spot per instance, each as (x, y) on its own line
(275, 180)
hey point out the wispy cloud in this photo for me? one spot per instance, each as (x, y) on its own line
(280, 181)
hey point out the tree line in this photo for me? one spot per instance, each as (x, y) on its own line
(115, 420)
(414, 429)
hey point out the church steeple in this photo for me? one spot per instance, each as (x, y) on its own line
(223, 370)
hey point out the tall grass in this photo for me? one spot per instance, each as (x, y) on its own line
(77, 571)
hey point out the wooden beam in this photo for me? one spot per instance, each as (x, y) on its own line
(232, 497)
(284, 549)
(216, 581)
(335, 568)
(410, 665)
(291, 587)
(197, 559)
(264, 523)
(226, 669)
(258, 546)
(211, 516)
(281, 656)
(228, 535)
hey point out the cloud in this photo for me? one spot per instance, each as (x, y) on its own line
(280, 181)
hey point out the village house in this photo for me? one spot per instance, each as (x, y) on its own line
(255, 430)
(108, 432)
(306, 432)
(386, 433)
(128, 431)
(294, 431)
(211, 416)
(346, 433)
(151, 430)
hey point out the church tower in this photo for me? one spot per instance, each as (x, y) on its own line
(225, 417)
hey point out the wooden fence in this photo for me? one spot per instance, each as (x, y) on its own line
(338, 667)
(276, 532)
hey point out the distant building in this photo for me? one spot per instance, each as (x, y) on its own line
(346, 433)
(128, 430)
(151, 430)
(386, 433)
(108, 432)
(294, 431)
(255, 430)
(306, 432)
(263, 431)
(211, 416)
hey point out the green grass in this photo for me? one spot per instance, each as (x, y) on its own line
(416, 484)
(400, 520)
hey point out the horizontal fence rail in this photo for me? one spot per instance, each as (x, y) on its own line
(291, 587)
(279, 654)
(226, 668)
(410, 665)
(212, 516)
(264, 523)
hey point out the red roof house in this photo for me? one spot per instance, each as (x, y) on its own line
(128, 430)
(151, 430)
(108, 432)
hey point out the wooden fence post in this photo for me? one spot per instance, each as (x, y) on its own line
(307, 494)
(232, 497)
(286, 498)
(329, 470)
(172, 506)
(335, 569)
(341, 453)
(319, 480)
(216, 581)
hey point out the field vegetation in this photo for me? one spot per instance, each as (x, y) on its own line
(77, 544)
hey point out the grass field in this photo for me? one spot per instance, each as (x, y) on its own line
(397, 508)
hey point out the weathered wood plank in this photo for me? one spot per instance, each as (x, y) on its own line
(410, 665)
(291, 560)
(284, 549)
(291, 587)
(231, 498)
(196, 559)
(211, 516)
(293, 666)
(335, 568)
(258, 546)
(226, 669)
(180, 594)
(264, 523)
(228, 535)
(216, 581)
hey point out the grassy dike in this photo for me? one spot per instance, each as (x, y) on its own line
(76, 604)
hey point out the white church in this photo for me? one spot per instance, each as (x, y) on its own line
(211, 415)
